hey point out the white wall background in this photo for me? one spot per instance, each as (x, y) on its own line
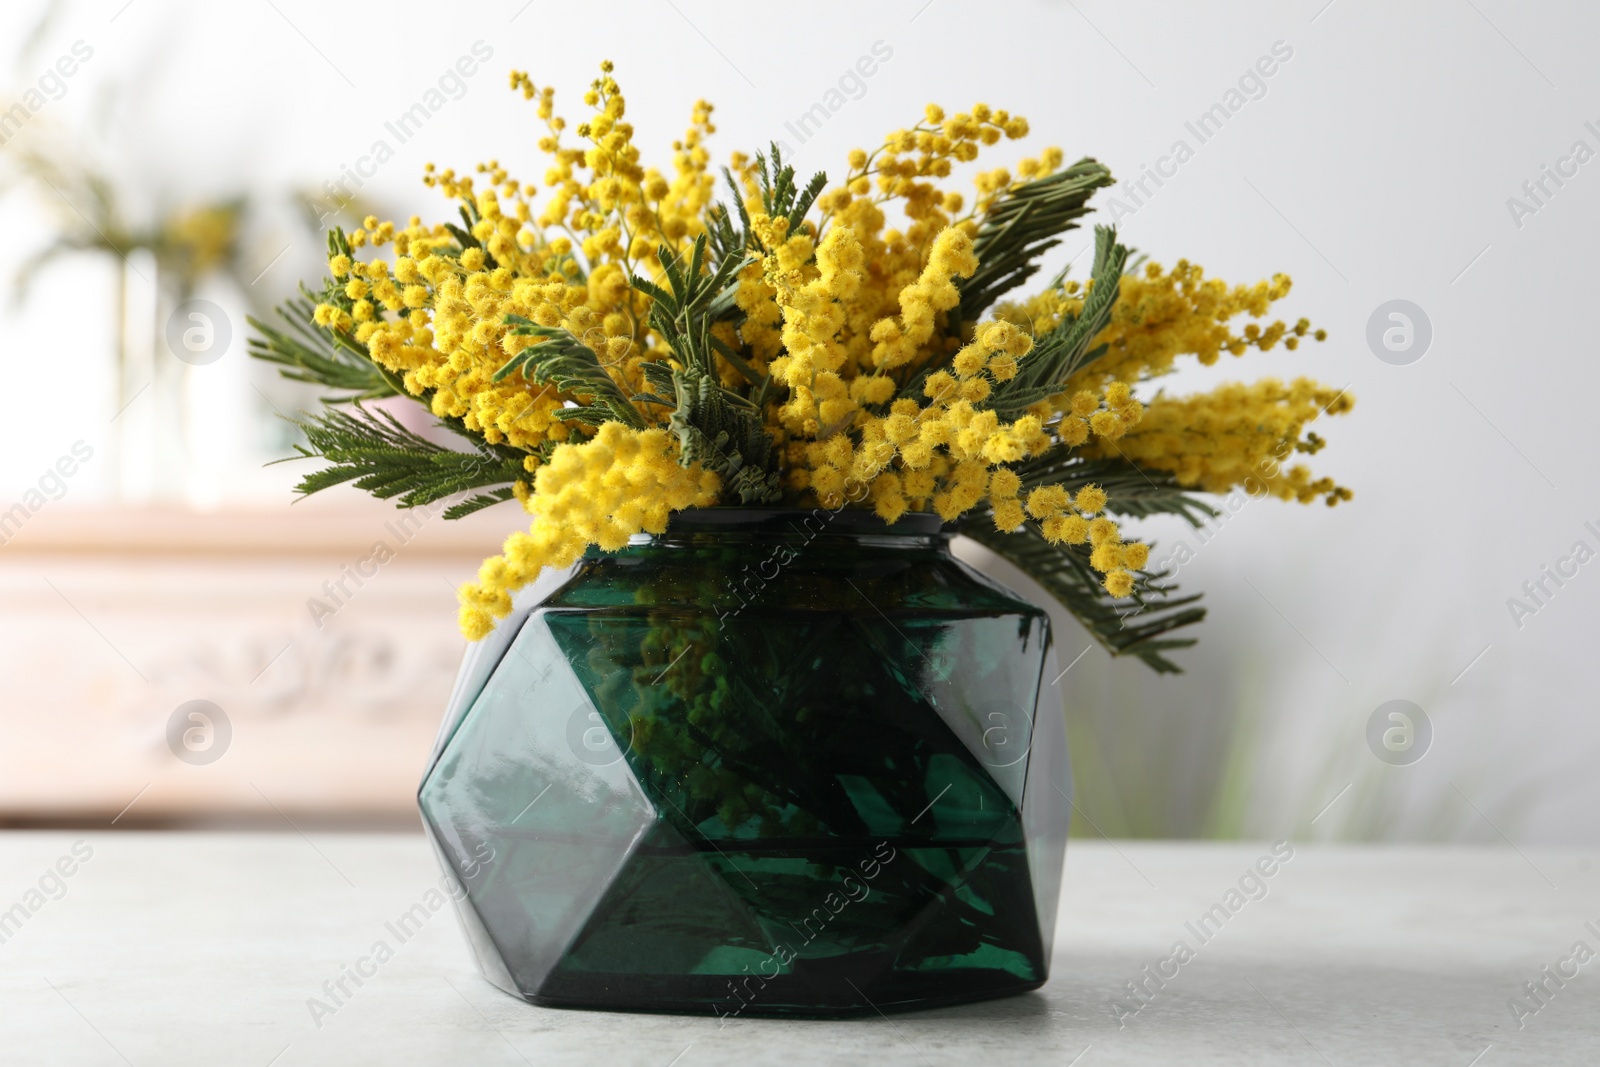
(1377, 166)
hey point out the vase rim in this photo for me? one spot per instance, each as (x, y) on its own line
(847, 520)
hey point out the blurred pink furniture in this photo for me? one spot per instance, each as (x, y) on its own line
(325, 631)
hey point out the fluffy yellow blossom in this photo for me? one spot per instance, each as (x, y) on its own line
(621, 483)
(1162, 315)
(844, 336)
(1119, 583)
(898, 341)
(1237, 436)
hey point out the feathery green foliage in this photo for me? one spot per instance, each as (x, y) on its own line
(306, 353)
(1131, 489)
(1064, 572)
(564, 363)
(779, 194)
(724, 437)
(715, 426)
(1064, 351)
(1025, 222)
(683, 312)
(372, 450)
(780, 197)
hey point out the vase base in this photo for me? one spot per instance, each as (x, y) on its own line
(786, 995)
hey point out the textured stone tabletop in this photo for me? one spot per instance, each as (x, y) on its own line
(212, 949)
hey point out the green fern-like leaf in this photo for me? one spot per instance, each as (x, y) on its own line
(682, 311)
(1139, 629)
(478, 502)
(724, 433)
(1064, 350)
(373, 451)
(1130, 489)
(307, 353)
(569, 366)
(779, 194)
(1023, 224)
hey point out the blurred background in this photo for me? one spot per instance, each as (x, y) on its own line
(167, 169)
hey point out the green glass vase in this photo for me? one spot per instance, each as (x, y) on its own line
(771, 762)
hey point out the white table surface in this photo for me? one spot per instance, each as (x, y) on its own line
(176, 949)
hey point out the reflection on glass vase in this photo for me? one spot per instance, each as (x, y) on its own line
(770, 762)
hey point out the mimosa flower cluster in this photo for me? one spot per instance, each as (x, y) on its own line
(627, 342)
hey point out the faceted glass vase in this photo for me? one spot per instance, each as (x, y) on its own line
(770, 762)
